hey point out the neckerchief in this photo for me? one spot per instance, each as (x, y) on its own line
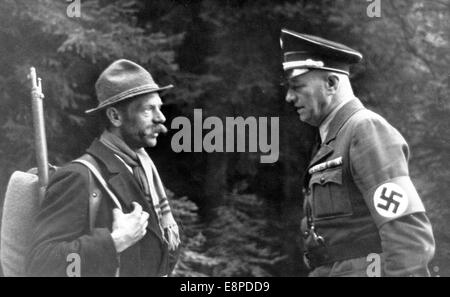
(144, 170)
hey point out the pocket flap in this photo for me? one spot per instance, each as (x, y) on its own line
(328, 176)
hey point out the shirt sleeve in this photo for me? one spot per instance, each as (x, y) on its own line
(62, 243)
(379, 166)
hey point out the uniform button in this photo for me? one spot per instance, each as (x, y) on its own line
(94, 194)
(322, 180)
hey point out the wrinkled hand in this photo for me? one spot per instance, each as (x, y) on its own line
(128, 229)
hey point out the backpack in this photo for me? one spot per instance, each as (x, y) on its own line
(21, 205)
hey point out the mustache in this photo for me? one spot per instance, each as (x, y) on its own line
(157, 128)
(160, 128)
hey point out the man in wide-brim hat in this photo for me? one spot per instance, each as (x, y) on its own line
(135, 236)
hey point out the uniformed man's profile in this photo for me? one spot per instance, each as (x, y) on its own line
(359, 198)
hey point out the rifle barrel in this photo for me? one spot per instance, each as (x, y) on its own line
(39, 131)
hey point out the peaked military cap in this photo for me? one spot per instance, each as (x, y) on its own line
(302, 52)
(121, 80)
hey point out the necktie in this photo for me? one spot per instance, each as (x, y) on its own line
(316, 145)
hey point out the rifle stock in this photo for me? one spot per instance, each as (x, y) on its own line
(40, 139)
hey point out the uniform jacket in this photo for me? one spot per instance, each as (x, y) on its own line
(62, 225)
(360, 199)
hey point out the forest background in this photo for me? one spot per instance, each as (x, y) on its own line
(239, 217)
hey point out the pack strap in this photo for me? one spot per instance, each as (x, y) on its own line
(95, 171)
(93, 167)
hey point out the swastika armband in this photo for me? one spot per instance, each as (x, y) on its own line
(393, 199)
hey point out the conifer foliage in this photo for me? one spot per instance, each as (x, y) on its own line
(238, 217)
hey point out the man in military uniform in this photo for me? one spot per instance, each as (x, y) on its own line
(361, 208)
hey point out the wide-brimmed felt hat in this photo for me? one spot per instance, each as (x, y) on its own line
(122, 80)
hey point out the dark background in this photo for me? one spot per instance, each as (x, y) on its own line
(239, 217)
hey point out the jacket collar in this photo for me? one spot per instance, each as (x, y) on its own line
(106, 156)
(336, 124)
(341, 118)
(117, 176)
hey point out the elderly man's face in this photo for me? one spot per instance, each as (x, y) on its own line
(307, 92)
(143, 121)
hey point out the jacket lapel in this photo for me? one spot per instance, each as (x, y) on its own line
(336, 124)
(123, 183)
(323, 152)
(117, 176)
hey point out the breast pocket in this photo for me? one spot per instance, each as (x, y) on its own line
(330, 196)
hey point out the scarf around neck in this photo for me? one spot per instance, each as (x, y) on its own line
(144, 170)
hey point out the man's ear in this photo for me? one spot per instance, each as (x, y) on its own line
(115, 116)
(332, 82)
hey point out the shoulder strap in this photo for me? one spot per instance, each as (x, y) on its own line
(88, 161)
(93, 167)
(95, 197)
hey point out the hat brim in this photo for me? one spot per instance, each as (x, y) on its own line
(127, 95)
